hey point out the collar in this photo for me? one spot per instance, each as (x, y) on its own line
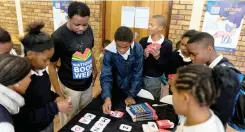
(216, 61)
(160, 41)
(185, 59)
(38, 72)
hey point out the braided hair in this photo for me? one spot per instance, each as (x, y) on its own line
(13, 69)
(203, 82)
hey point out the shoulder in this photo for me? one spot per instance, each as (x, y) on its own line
(143, 40)
(6, 127)
(138, 48)
(167, 43)
(5, 116)
(57, 34)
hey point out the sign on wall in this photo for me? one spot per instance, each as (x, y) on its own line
(223, 20)
(60, 12)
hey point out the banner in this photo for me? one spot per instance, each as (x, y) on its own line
(223, 20)
(60, 8)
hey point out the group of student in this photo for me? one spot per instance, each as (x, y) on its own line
(205, 92)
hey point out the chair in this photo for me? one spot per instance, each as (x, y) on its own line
(145, 94)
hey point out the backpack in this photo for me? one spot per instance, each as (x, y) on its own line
(238, 117)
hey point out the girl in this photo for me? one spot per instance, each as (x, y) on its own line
(195, 88)
(41, 103)
(17, 78)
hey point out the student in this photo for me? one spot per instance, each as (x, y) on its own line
(14, 80)
(42, 104)
(177, 46)
(202, 51)
(156, 57)
(195, 88)
(121, 75)
(73, 46)
(180, 57)
(6, 45)
(105, 43)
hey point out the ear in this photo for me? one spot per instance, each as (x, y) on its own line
(186, 97)
(210, 48)
(161, 27)
(16, 85)
(30, 55)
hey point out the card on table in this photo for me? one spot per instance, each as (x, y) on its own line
(84, 120)
(117, 114)
(100, 124)
(89, 116)
(153, 126)
(163, 130)
(77, 128)
(96, 129)
(165, 124)
(145, 128)
(106, 120)
(125, 127)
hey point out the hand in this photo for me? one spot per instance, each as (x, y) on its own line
(155, 52)
(107, 106)
(59, 99)
(129, 101)
(146, 52)
(64, 106)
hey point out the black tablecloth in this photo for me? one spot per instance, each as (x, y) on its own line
(95, 107)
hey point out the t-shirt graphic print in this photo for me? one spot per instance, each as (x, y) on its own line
(82, 64)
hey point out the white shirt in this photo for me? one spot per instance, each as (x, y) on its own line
(185, 59)
(113, 48)
(216, 61)
(38, 72)
(213, 124)
(160, 41)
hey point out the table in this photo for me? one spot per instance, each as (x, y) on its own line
(95, 107)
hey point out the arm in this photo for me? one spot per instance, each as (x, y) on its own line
(106, 80)
(94, 67)
(165, 55)
(136, 79)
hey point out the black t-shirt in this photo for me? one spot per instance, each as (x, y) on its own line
(75, 52)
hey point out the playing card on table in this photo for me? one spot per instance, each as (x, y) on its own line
(117, 114)
(77, 128)
(125, 127)
(153, 126)
(89, 116)
(84, 120)
(145, 128)
(103, 119)
(96, 129)
(100, 124)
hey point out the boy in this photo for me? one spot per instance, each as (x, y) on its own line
(6, 45)
(202, 51)
(157, 51)
(121, 75)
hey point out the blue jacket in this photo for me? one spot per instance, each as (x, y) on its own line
(126, 73)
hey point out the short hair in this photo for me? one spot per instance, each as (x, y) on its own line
(124, 34)
(190, 33)
(160, 19)
(4, 36)
(202, 38)
(78, 8)
(203, 82)
(35, 39)
(106, 42)
(178, 44)
(13, 69)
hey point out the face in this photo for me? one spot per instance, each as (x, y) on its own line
(22, 85)
(122, 47)
(183, 44)
(154, 27)
(40, 60)
(179, 99)
(79, 24)
(198, 53)
(5, 48)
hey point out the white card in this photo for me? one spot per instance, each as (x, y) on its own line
(100, 124)
(77, 128)
(153, 126)
(103, 119)
(125, 127)
(145, 128)
(89, 116)
(96, 129)
(84, 120)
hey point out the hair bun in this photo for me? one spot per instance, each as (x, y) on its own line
(35, 27)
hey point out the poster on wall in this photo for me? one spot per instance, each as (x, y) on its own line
(60, 8)
(223, 20)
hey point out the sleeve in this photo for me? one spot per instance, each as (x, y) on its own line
(143, 43)
(57, 49)
(106, 78)
(137, 77)
(38, 118)
(165, 55)
(54, 95)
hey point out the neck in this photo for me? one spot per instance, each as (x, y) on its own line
(212, 58)
(68, 25)
(156, 37)
(197, 116)
(32, 67)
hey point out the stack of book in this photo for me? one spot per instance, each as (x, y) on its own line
(141, 112)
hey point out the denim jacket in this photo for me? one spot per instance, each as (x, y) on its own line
(127, 73)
